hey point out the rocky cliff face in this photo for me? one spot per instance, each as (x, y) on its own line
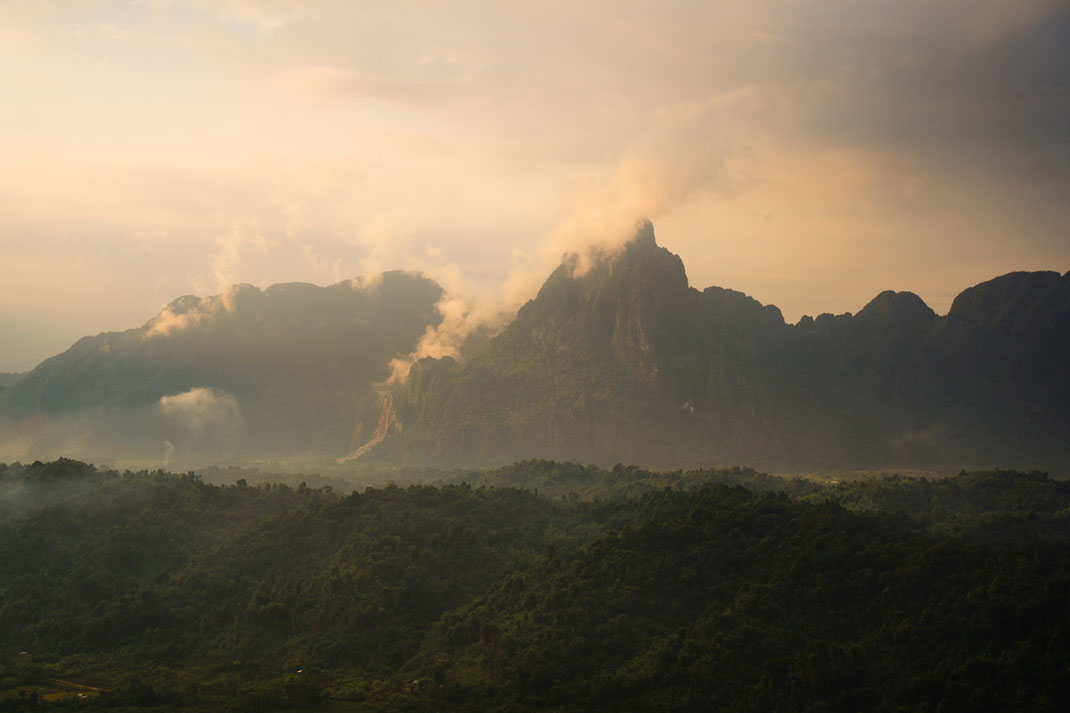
(624, 361)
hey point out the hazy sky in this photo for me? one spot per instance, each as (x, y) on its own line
(809, 153)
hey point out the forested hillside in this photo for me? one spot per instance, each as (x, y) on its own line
(249, 373)
(541, 585)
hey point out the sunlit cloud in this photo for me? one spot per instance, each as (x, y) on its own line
(169, 321)
(203, 411)
(226, 260)
(811, 154)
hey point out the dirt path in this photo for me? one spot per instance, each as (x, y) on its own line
(72, 684)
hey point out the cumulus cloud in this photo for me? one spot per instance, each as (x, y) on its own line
(204, 412)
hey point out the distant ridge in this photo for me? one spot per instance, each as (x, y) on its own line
(627, 363)
(616, 359)
(249, 373)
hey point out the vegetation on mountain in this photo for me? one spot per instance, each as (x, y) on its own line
(618, 589)
(285, 370)
(616, 359)
(7, 378)
(625, 361)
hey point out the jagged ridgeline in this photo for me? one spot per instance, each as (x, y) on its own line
(625, 362)
(617, 359)
(285, 370)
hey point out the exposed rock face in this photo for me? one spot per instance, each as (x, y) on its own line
(616, 359)
(624, 361)
(388, 419)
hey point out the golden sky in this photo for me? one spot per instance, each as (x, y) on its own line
(810, 154)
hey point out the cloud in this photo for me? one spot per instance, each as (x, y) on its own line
(327, 82)
(465, 310)
(282, 140)
(169, 451)
(168, 320)
(983, 22)
(461, 319)
(225, 261)
(262, 16)
(204, 412)
(687, 151)
(223, 267)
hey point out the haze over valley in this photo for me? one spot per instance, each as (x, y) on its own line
(616, 359)
(469, 356)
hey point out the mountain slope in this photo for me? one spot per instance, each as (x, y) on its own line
(616, 359)
(625, 361)
(282, 370)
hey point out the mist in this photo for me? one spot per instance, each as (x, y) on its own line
(207, 419)
(342, 365)
(809, 163)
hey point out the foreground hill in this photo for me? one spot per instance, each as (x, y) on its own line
(283, 370)
(179, 595)
(627, 362)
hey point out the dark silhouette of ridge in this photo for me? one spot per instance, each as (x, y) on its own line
(625, 362)
(616, 359)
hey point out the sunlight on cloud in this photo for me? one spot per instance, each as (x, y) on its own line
(465, 311)
(169, 321)
(225, 263)
(204, 411)
(687, 153)
(276, 140)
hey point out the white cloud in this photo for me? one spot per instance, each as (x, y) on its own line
(204, 412)
(226, 260)
(168, 321)
(689, 149)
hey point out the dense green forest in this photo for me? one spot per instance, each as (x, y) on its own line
(538, 586)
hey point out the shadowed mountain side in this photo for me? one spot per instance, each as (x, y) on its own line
(283, 370)
(624, 362)
(8, 378)
(616, 359)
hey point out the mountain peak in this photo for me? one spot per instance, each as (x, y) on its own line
(899, 307)
(644, 235)
(611, 279)
(1005, 298)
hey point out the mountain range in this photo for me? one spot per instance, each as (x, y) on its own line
(625, 362)
(616, 359)
(277, 372)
